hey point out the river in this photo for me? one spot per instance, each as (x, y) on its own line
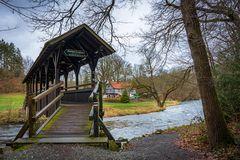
(137, 125)
(132, 126)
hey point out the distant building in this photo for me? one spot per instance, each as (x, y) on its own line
(115, 89)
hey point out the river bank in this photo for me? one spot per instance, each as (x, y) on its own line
(12, 116)
(134, 107)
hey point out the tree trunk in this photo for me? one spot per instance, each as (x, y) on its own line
(157, 99)
(218, 133)
(160, 104)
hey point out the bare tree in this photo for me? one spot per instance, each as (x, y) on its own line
(55, 16)
(27, 63)
(4, 29)
(113, 68)
(155, 82)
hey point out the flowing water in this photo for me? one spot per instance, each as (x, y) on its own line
(137, 125)
(8, 132)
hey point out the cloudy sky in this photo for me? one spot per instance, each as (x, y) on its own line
(30, 44)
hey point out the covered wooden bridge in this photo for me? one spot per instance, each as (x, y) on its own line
(74, 114)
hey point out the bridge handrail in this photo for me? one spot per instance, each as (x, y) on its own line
(97, 108)
(92, 97)
(47, 107)
(82, 85)
(45, 93)
(33, 115)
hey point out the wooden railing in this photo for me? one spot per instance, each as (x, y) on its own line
(34, 113)
(96, 114)
(78, 86)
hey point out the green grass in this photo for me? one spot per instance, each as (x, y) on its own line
(129, 105)
(119, 109)
(11, 101)
(135, 104)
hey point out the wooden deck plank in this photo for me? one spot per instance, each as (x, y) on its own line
(72, 121)
(64, 140)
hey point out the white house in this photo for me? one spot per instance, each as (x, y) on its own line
(115, 89)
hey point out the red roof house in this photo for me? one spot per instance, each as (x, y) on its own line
(116, 88)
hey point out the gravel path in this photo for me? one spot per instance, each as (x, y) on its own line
(154, 147)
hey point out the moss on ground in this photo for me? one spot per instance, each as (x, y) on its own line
(23, 148)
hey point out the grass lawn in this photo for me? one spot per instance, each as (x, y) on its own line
(11, 101)
(11, 108)
(120, 109)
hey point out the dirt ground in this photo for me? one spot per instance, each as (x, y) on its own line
(154, 147)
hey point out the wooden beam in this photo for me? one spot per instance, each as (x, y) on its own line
(66, 80)
(56, 60)
(31, 114)
(33, 84)
(46, 74)
(100, 99)
(45, 93)
(76, 71)
(36, 83)
(65, 140)
(40, 84)
(91, 114)
(92, 65)
(106, 131)
(40, 79)
(95, 120)
(92, 97)
(22, 131)
(81, 85)
(47, 107)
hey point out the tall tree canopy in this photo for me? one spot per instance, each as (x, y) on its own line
(11, 61)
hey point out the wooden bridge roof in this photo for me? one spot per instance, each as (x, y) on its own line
(81, 38)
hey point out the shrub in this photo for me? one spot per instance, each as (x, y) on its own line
(227, 78)
(125, 97)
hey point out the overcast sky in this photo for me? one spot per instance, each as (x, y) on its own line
(29, 42)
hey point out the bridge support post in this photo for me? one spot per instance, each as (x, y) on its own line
(100, 100)
(33, 89)
(93, 64)
(31, 120)
(46, 82)
(56, 58)
(40, 86)
(95, 120)
(66, 80)
(76, 71)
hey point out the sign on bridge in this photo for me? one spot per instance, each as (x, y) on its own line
(75, 53)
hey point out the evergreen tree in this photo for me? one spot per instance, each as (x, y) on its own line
(125, 97)
(11, 61)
